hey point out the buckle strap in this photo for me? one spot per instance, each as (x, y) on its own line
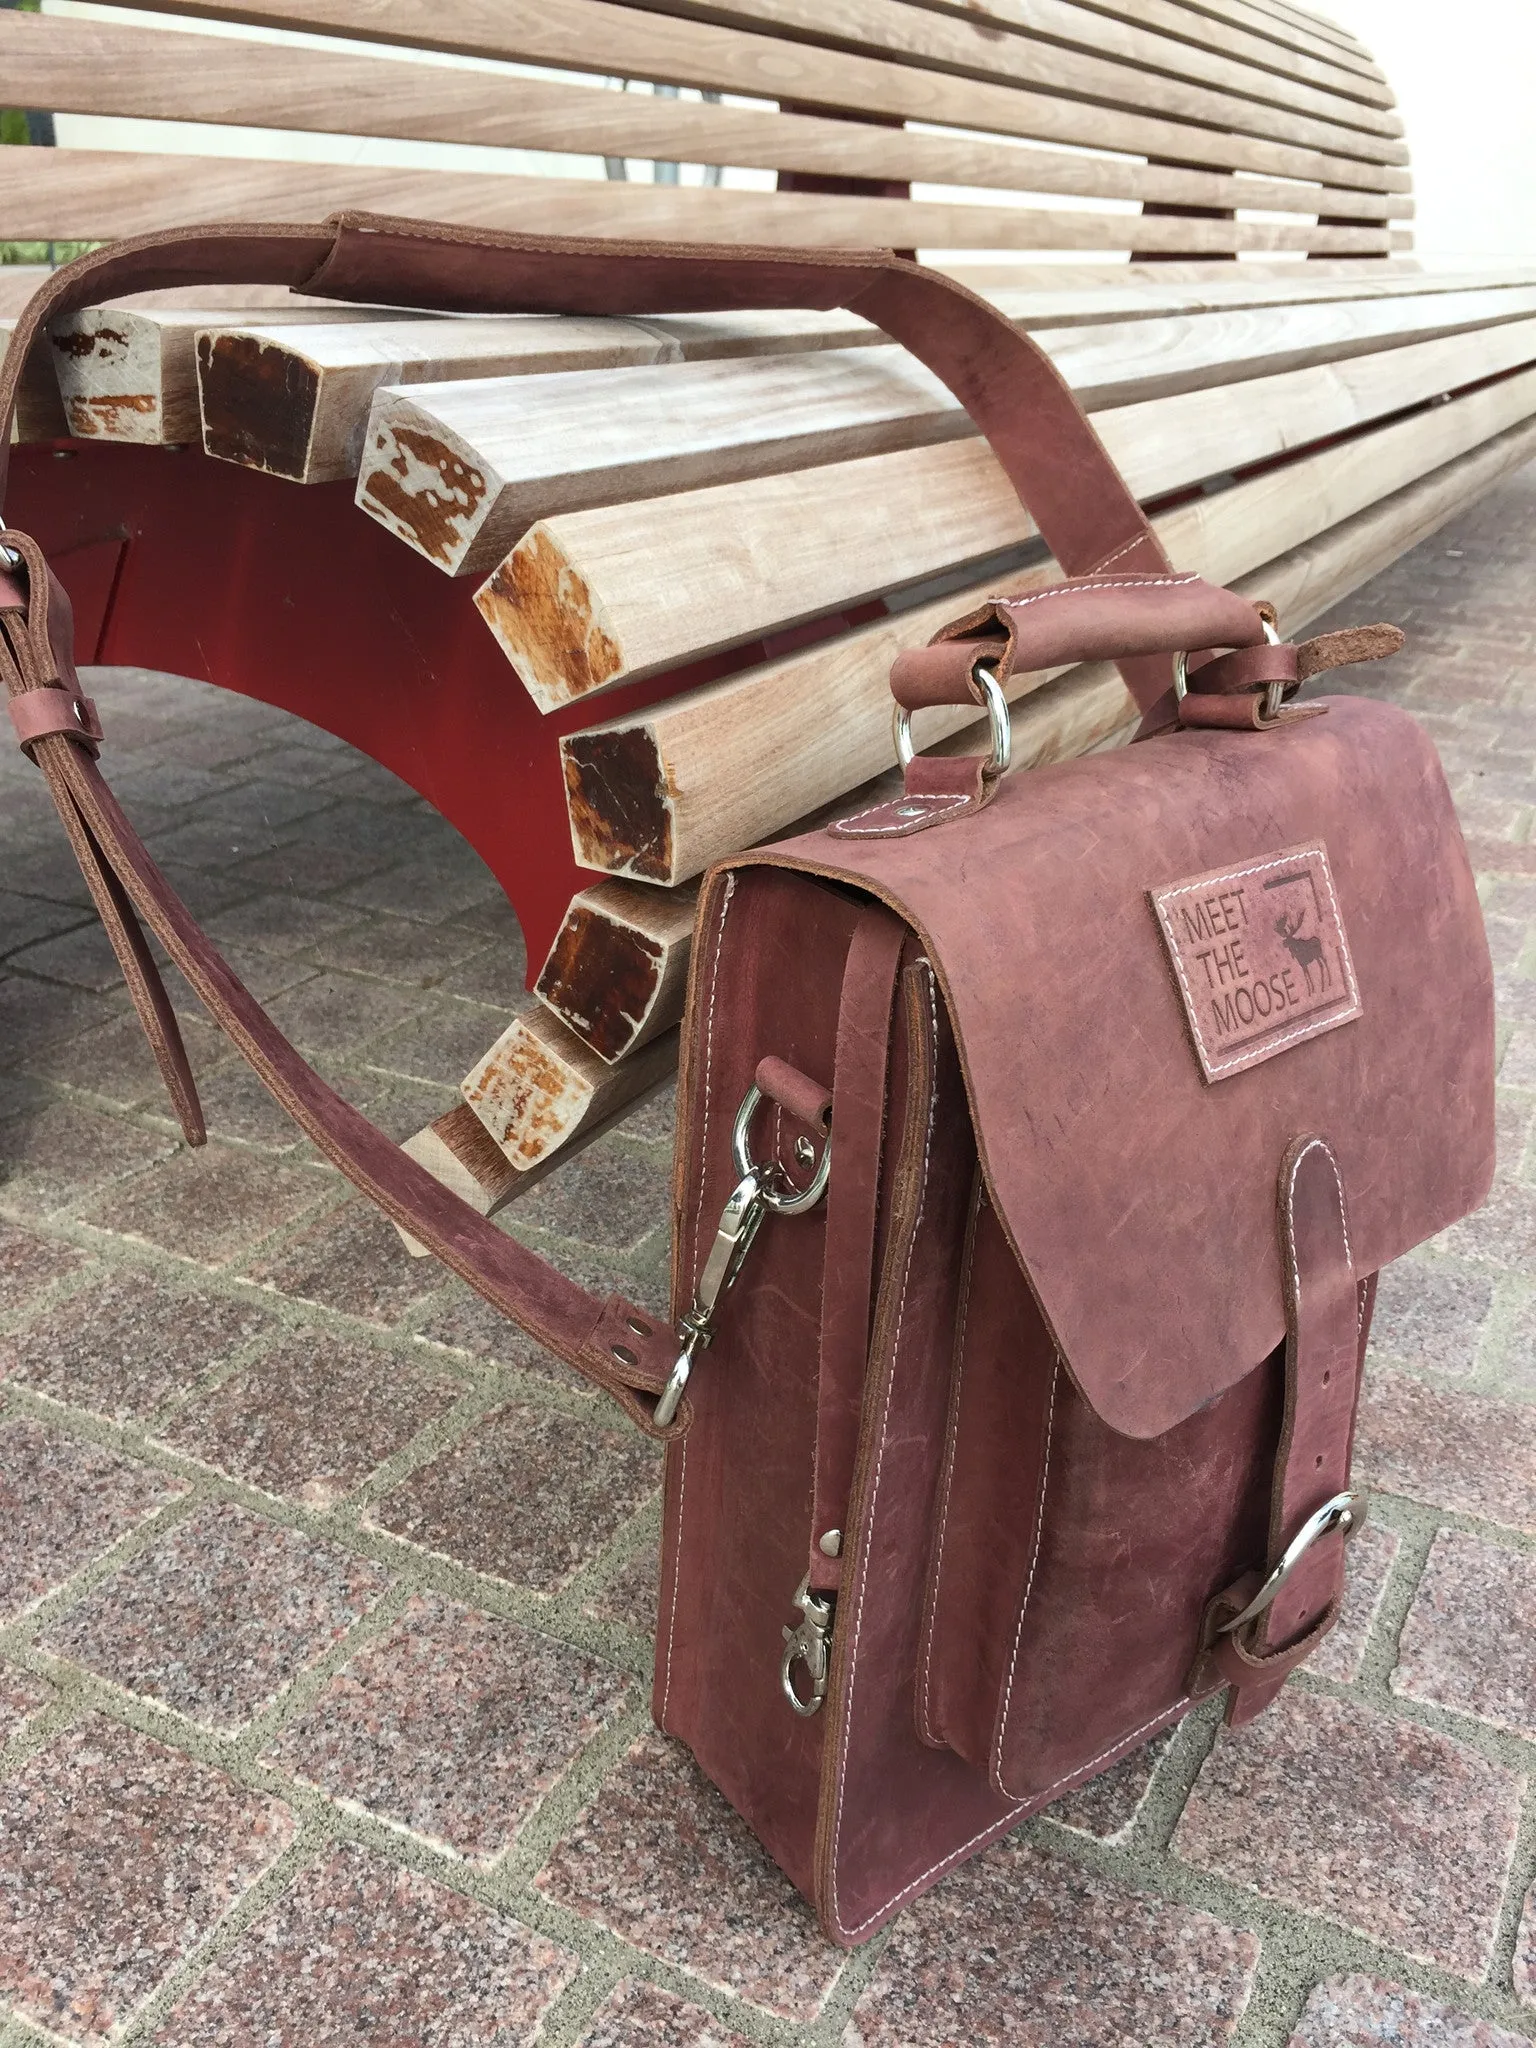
(35, 713)
(1255, 1632)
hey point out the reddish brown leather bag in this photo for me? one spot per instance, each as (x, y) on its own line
(1040, 1142)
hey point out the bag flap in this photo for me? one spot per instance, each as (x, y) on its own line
(1162, 965)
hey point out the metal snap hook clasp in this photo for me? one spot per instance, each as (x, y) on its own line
(808, 1645)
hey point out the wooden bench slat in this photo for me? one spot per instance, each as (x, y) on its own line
(1086, 707)
(95, 67)
(130, 375)
(1334, 74)
(461, 471)
(660, 794)
(617, 972)
(578, 609)
(1323, 40)
(92, 195)
(1044, 41)
(39, 409)
(294, 402)
(640, 45)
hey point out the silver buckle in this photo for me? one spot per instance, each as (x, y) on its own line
(11, 557)
(1274, 693)
(1345, 1512)
(984, 673)
(807, 1644)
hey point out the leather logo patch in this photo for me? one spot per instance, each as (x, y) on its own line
(1261, 957)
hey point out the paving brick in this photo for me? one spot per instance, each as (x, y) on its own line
(208, 1204)
(397, 949)
(1365, 2012)
(312, 1417)
(236, 1105)
(1431, 1314)
(220, 1616)
(631, 1595)
(57, 1154)
(1516, 1370)
(1469, 1642)
(24, 919)
(1377, 1824)
(496, 974)
(1021, 1946)
(279, 923)
(62, 1503)
(114, 1061)
(28, 1264)
(332, 1014)
(1107, 1805)
(1525, 1955)
(662, 1861)
(116, 1857)
(613, 1196)
(21, 1696)
(527, 1496)
(127, 1343)
(1342, 1652)
(454, 1725)
(82, 957)
(429, 887)
(1503, 1231)
(359, 1950)
(300, 868)
(1460, 1451)
(353, 1260)
(441, 1042)
(42, 1015)
(639, 2015)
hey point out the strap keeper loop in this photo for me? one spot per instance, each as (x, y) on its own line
(37, 713)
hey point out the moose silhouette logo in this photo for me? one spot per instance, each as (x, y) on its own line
(1260, 957)
(1306, 952)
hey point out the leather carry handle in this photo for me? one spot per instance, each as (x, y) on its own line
(1009, 386)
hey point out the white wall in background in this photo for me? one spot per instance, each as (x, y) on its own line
(1465, 78)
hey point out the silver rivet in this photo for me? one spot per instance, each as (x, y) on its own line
(805, 1152)
(831, 1545)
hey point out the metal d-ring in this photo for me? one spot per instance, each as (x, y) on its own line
(1345, 1512)
(1274, 693)
(783, 1198)
(984, 674)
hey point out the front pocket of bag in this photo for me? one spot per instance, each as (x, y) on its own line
(1070, 1565)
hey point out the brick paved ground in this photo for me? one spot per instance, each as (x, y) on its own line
(324, 1597)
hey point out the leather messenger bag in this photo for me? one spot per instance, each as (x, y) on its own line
(1040, 1138)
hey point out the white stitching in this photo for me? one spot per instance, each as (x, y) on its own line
(1317, 1022)
(885, 1412)
(1017, 604)
(951, 1436)
(946, 797)
(1129, 547)
(1035, 1800)
(1029, 1584)
(698, 1224)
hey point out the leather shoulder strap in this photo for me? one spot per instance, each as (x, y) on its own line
(1006, 382)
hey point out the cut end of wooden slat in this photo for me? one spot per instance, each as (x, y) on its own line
(621, 802)
(539, 1087)
(108, 366)
(457, 1150)
(258, 402)
(617, 972)
(549, 623)
(423, 484)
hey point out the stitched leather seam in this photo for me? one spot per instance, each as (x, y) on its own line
(951, 1437)
(1029, 1585)
(937, 797)
(1127, 548)
(885, 1413)
(698, 1224)
(1315, 1023)
(1035, 1799)
(1017, 604)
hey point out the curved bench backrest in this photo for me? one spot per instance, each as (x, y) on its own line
(1166, 128)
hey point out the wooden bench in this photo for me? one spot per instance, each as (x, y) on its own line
(443, 537)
